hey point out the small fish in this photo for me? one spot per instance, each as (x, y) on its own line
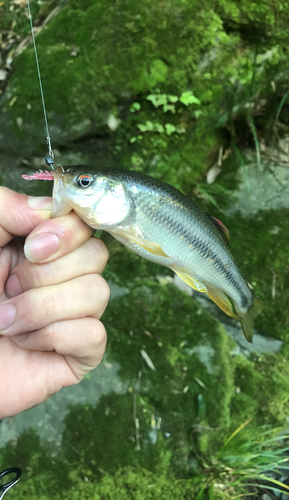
(160, 224)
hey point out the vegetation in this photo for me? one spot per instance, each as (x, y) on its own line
(170, 89)
(239, 468)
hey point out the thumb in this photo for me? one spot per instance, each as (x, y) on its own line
(20, 214)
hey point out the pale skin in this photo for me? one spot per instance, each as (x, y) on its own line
(51, 282)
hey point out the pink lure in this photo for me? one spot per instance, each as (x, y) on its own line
(45, 175)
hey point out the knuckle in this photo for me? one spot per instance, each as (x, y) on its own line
(46, 274)
(98, 252)
(77, 224)
(102, 252)
(56, 337)
(98, 336)
(47, 303)
(49, 335)
(104, 289)
(99, 293)
(102, 335)
(98, 285)
(28, 308)
(37, 277)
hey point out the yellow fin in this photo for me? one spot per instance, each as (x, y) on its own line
(222, 300)
(150, 246)
(247, 319)
(191, 281)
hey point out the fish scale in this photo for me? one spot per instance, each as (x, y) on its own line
(202, 246)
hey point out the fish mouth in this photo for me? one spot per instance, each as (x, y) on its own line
(60, 205)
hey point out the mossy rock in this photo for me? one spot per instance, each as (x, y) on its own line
(189, 348)
(95, 56)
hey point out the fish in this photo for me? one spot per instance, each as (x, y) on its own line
(159, 223)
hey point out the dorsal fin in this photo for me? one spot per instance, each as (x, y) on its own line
(221, 228)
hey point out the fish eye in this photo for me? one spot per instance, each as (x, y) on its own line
(84, 180)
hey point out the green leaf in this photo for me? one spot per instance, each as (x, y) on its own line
(157, 99)
(169, 107)
(173, 98)
(135, 107)
(198, 113)
(188, 98)
(159, 128)
(133, 139)
(238, 459)
(170, 129)
(148, 125)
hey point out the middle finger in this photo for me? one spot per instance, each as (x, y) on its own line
(78, 298)
(89, 258)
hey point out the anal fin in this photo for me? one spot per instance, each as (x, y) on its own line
(222, 300)
(191, 281)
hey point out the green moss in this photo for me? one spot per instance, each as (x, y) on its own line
(185, 343)
(97, 58)
(261, 248)
(262, 391)
(125, 51)
(134, 483)
(119, 48)
(40, 470)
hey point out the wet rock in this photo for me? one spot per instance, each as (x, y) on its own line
(260, 189)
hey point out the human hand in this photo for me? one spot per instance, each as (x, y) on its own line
(53, 301)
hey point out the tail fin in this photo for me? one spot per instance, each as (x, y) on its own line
(247, 319)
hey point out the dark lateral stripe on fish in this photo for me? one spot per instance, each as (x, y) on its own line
(204, 251)
(202, 247)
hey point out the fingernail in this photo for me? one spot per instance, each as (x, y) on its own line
(20, 338)
(7, 316)
(12, 287)
(41, 246)
(40, 202)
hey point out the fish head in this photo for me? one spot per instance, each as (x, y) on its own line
(98, 199)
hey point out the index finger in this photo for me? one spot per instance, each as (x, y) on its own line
(20, 214)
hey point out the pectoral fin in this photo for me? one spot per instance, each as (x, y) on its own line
(191, 281)
(150, 246)
(106, 238)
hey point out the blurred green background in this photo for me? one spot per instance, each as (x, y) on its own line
(196, 94)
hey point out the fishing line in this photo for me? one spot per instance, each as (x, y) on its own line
(50, 159)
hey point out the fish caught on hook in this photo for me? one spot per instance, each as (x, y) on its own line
(156, 221)
(159, 223)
